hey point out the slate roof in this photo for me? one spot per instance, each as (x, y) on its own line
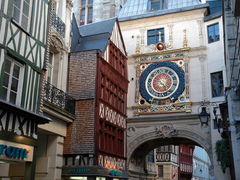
(99, 27)
(215, 6)
(94, 36)
(93, 42)
(134, 9)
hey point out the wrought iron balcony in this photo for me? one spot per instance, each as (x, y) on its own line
(58, 24)
(59, 98)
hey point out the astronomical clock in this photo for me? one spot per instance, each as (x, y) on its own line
(162, 80)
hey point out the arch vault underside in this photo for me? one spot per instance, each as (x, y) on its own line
(146, 133)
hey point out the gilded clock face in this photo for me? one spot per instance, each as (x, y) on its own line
(162, 82)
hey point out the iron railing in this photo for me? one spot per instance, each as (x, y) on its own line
(58, 98)
(58, 24)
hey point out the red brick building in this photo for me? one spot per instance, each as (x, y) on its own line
(95, 146)
(185, 169)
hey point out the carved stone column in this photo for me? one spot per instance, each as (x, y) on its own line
(200, 31)
(202, 59)
(170, 27)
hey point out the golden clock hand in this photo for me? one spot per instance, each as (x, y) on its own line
(163, 83)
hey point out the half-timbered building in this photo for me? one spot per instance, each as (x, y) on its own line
(23, 42)
(95, 146)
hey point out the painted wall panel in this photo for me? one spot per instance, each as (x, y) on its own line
(2, 58)
(31, 89)
(23, 42)
(2, 30)
(5, 9)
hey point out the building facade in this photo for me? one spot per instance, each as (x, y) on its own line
(56, 103)
(201, 164)
(163, 162)
(95, 145)
(23, 43)
(185, 169)
(175, 42)
(231, 21)
(88, 11)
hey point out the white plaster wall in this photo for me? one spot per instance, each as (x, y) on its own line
(56, 126)
(180, 21)
(204, 58)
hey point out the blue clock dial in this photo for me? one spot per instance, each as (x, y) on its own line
(162, 80)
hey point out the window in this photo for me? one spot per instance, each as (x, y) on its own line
(151, 156)
(217, 84)
(50, 68)
(155, 5)
(11, 81)
(21, 12)
(82, 17)
(160, 171)
(83, 2)
(218, 124)
(86, 12)
(90, 13)
(153, 36)
(213, 33)
(90, 1)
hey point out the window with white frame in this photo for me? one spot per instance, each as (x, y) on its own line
(12, 80)
(21, 13)
(50, 68)
(213, 33)
(153, 36)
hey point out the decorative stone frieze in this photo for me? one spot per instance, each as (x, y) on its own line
(166, 131)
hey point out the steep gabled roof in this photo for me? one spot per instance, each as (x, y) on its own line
(96, 36)
(99, 27)
(91, 42)
(76, 34)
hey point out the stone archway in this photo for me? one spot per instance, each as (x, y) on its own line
(147, 133)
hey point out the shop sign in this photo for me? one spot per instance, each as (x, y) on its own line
(115, 173)
(15, 152)
(78, 171)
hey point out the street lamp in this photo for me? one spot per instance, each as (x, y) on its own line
(203, 116)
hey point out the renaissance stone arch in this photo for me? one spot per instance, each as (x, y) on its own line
(147, 133)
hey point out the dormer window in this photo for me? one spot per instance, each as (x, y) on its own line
(154, 5)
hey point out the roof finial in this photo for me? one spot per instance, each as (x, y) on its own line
(184, 39)
(138, 46)
(160, 39)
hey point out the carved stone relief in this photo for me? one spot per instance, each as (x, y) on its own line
(202, 58)
(57, 42)
(166, 131)
(131, 131)
(200, 32)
